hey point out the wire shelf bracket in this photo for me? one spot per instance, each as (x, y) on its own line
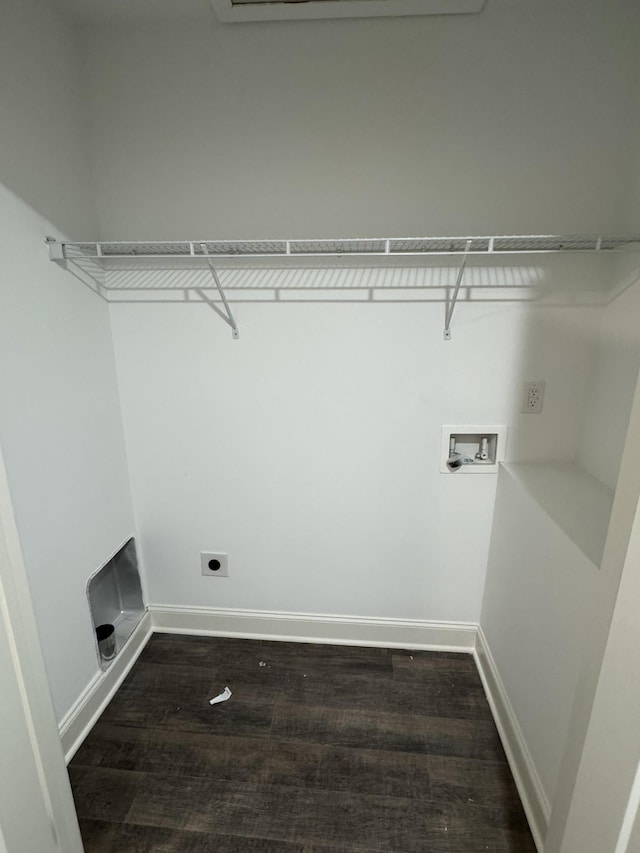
(456, 290)
(228, 316)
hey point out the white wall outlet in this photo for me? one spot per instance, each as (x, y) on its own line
(533, 398)
(214, 565)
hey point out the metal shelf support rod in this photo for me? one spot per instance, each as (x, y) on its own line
(452, 302)
(229, 318)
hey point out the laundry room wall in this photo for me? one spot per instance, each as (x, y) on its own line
(61, 436)
(60, 425)
(553, 572)
(309, 449)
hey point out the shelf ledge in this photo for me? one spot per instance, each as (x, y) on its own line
(575, 500)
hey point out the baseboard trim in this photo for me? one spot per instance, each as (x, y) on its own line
(81, 718)
(315, 628)
(534, 799)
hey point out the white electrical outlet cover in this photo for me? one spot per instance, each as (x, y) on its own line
(533, 398)
(214, 564)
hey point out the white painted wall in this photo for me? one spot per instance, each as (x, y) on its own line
(557, 346)
(546, 606)
(609, 765)
(618, 357)
(309, 449)
(43, 156)
(599, 678)
(611, 387)
(540, 594)
(477, 124)
(61, 435)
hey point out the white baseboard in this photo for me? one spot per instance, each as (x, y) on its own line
(81, 718)
(534, 799)
(315, 628)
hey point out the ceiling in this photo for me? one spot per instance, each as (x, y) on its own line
(93, 11)
(298, 10)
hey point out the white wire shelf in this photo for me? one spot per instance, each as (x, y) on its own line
(105, 253)
(367, 268)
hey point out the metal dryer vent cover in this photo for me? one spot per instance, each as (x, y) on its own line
(239, 11)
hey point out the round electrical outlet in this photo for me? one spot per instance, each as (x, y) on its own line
(214, 564)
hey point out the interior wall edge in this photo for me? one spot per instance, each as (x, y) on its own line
(618, 538)
(81, 718)
(525, 774)
(38, 789)
(315, 628)
(626, 280)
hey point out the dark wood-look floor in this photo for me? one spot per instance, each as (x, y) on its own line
(321, 749)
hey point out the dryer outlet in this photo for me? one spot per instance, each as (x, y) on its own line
(214, 564)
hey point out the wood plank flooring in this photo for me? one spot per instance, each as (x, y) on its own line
(321, 749)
